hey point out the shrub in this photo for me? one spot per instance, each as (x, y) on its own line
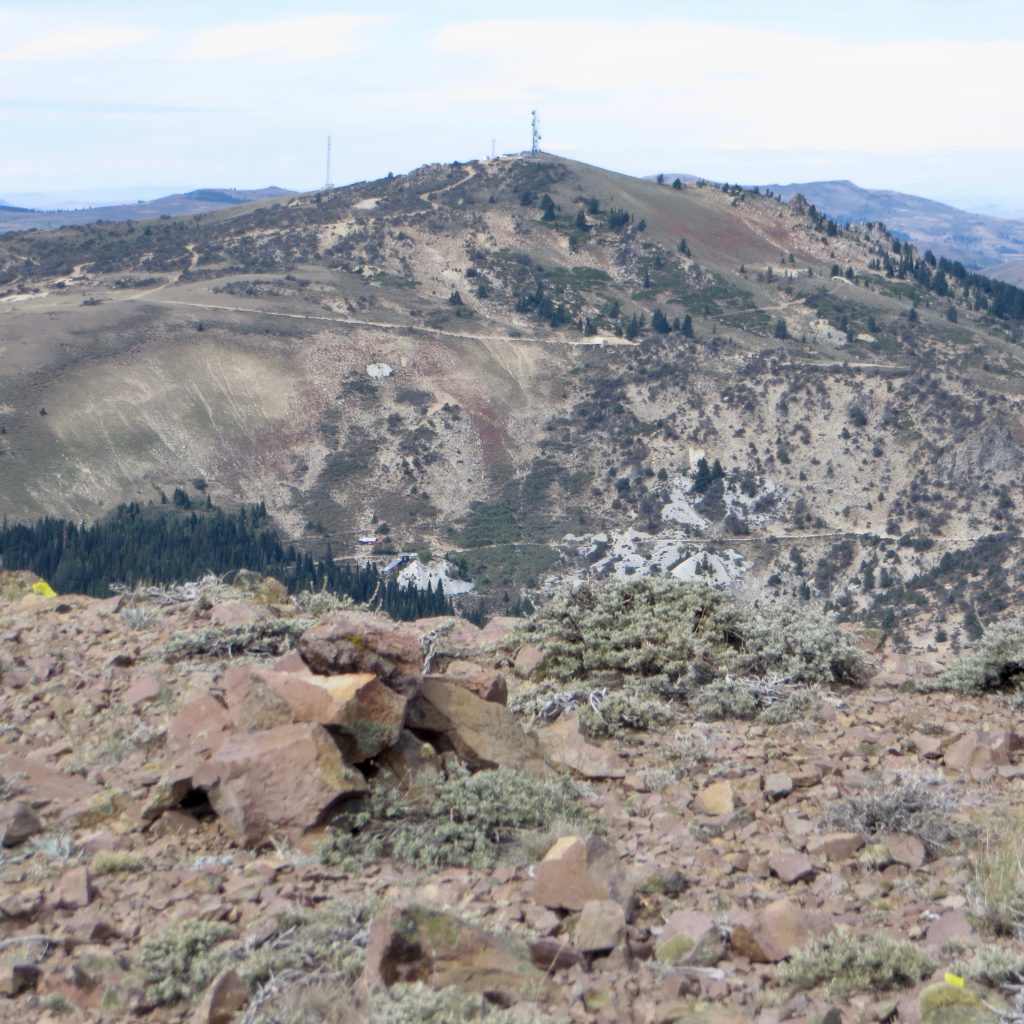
(654, 641)
(116, 862)
(849, 962)
(998, 885)
(182, 960)
(420, 1004)
(467, 820)
(910, 806)
(995, 662)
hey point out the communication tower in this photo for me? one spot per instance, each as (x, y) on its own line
(328, 182)
(535, 147)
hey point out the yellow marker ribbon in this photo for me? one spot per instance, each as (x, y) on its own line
(955, 980)
(43, 589)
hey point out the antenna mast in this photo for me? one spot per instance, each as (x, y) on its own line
(535, 147)
(328, 184)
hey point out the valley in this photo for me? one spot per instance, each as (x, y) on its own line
(566, 344)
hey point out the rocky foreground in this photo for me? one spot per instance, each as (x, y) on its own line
(173, 767)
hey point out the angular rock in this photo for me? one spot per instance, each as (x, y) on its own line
(18, 822)
(364, 715)
(224, 998)
(565, 746)
(563, 881)
(253, 703)
(146, 688)
(905, 849)
(483, 734)
(716, 799)
(954, 926)
(234, 613)
(363, 642)
(17, 977)
(416, 944)
(977, 751)
(600, 927)
(412, 761)
(791, 866)
(287, 777)
(777, 785)
(552, 954)
(200, 726)
(529, 661)
(771, 933)
(835, 845)
(486, 683)
(74, 890)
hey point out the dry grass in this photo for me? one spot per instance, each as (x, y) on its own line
(997, 891)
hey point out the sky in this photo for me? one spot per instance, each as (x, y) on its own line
(128, 100)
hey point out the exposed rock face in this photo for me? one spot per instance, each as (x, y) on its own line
(364, 642)
(285, 777)
(417, 944)
(565, 746)
(601, 926)
(18, 822)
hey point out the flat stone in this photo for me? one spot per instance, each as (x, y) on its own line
(600, 927)
(905, 849)
(715, 800)
(486, 683)
(791, 866)
(413, 944)
(563, 881)
(224, 998)
(772, 933)
(74, 890)
(552, 954)
(835, 845)
(565, 746)
(200, 727)
(954, 926)
(978, 750)
(354, 641)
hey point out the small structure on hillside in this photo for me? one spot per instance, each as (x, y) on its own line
(367, 540)
(379, 371)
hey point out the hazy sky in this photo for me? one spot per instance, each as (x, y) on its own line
(922, 96)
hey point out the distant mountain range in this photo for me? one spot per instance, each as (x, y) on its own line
(203, 200)
(994, 245)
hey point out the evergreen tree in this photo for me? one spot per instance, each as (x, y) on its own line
(659, 322)
(687, 326)
(677, 184)
(702, 478)
(781, 330)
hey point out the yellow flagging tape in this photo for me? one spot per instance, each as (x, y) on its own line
(953, 979)
(43, 589)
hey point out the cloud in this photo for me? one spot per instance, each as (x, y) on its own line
(285, 40)
(728, 87)
(80, 42)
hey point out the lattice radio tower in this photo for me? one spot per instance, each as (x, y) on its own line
(329, 183)
(535, 147)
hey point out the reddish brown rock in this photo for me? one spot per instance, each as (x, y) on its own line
(145, 689)
(565, 746)
(200, 726)
(600, 927)
(254, 704)
(483, 734)
(835, 845)
(225, 997)
(283, 778)
(529, 661)
(954, 926)
(552, 954)
(16, 977)
(772, 933)
(977, 751)
(905, 849)
(364, 715)
(791, 866)
(74, 890)
(363, 642)
(234, 613)
(18, 822)
(563, 881)
(413, 762)
(486, 683)
(416, 944)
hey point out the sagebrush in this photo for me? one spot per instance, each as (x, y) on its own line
(995, 662)
(628, 653)
(466, 820)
